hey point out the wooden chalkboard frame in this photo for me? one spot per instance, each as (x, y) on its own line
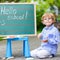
(34, 20)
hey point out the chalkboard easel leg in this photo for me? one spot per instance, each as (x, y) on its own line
(8, 49)
(26, 48)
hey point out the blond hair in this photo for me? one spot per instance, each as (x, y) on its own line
(50, 15)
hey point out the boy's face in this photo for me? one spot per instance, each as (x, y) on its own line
(48, 21)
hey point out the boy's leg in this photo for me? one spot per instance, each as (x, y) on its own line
(43, 54)
(34, 53)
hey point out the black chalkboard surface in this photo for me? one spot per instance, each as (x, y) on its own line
(17, 19)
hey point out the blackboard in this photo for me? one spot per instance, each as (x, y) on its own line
(17, 19)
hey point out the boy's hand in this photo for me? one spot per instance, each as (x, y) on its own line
(39, 35)
(44, 40)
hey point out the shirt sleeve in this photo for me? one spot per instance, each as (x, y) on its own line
(53, 38)
(44, 35)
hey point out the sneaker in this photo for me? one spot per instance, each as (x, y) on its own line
(29, 59)
(52, 55)
(4, 58)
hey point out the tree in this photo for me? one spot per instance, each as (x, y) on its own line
(2, 1)
(57, 3)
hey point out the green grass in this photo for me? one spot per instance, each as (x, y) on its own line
(1, 38)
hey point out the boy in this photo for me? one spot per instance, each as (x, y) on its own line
(49, 37)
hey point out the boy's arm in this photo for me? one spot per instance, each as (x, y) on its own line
(39, 35)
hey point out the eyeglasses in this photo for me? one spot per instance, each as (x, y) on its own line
(47, 18)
